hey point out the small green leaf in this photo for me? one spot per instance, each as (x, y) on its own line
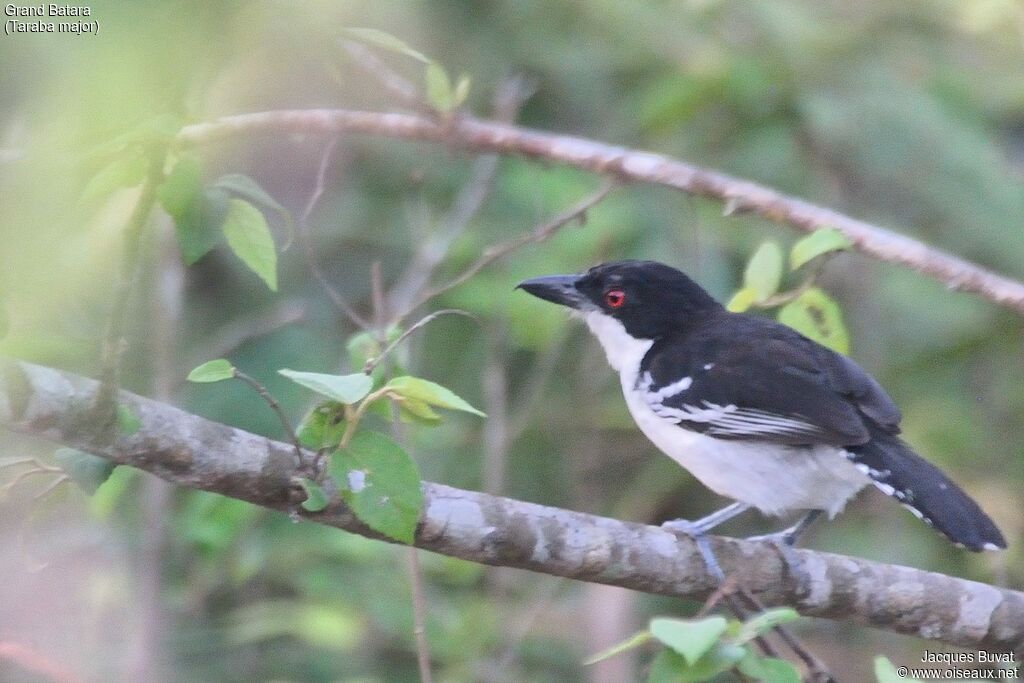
(764, 271)
(667, 667)
(439, 88)
(245, 187)
(691, 639)
(768, 669)
(817, 243)
(182, 187)
(885, 672)
(343, 388)
(249, 237)
(430, 393)
(386, 41)
(742, 300)
(126, 170)
(765, 621)
(816, 316)
(671, 667)
(127, 422)
(419, 409)
(85, 469)
(316, 499)
(323, 427)
(461, 90)
(380, 483)
(212, 371)
(633, 641)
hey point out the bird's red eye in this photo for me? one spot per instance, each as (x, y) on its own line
(614, 298)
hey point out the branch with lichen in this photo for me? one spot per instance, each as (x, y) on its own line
(190, 451)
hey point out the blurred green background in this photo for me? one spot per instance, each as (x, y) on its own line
(910, 114)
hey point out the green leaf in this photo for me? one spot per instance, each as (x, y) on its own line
(343, 388)
(885, 672)
(323, 427)
(182, 187)
(671, 667)
(667, 667)
(212, 371)
(742, 300)
(461, 90)
(245, 187)
(691, 639)
(316, 499)
(768, 669)
(816, 316)
(386, 41)
(439, 88)
(85, 469)
(817, 243)
(764, 271)
(765, 621)
(198, 226)
(127, 422)
(633, 641)
(249, 237)
(430, 393)
(125, 171)
(418, 409)
(380, 483)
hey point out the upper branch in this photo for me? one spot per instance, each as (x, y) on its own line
(739, 195)
(191, 451)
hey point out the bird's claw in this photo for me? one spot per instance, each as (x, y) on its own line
(696, 533)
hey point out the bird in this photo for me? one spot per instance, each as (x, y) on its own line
(756, 411)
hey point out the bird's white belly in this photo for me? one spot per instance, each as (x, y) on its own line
(773, 478)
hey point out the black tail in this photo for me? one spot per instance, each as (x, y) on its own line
(928, 493)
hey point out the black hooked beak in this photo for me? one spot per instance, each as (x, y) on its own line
(560, 289)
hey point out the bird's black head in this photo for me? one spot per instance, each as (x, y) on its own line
(650, 299)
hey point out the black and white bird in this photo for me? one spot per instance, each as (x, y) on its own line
(753, 409)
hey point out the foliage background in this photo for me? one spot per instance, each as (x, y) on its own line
(909, 114)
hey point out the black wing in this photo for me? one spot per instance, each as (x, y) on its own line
(743, 377)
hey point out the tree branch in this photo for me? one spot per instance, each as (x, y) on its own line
(191, 451)
(739, 195)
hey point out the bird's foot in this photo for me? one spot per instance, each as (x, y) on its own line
(784, 543)
(699, 535)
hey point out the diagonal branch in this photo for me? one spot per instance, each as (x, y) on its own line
(739, 195)
(194, 452)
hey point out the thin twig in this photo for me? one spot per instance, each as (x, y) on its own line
(726, 592)
(379, 300)
(402, 89)
(795, 293)
(818, 670)
(538, 234)
(483, 137)
(51, 486)
(114, 342)
(471, 197)
(372, 363)
(419, 602)
(339, 301)
(276, 407)
(419, 613)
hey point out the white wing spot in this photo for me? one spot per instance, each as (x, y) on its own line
(709, 366)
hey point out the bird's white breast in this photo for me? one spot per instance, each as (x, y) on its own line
(774, 478)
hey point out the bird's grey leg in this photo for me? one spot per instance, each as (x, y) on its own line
(785, 540)
(698, 529)
(790, 536)
(706, 524)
